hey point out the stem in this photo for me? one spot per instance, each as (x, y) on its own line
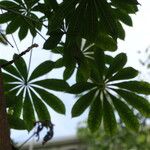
(21, 54)
(5, 143)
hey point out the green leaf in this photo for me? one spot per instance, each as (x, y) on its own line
(82, 103)
(95, 114)
(6, 17)
(28, 112)
(68, 73)
(105, 42)
(18, 104)
(42, 69)
(123, 16)
(140, 87)
(52, 4)
(59, 63)
(53, 40)
(117, 64)
(10, 68)
(54, 102)
(40, 108)
(100, 61)
(109, 119)
(21, 66)
(64, 10)
(9, 78)
(126, 114)
(9, 5)
(80, 87)
(13, 25)
(121, 31)
(124, 74)
(23, 31)
(138, 102)
(107, 17)
(16, 123)
(53, 84)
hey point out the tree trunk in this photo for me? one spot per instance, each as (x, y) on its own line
(5, 143)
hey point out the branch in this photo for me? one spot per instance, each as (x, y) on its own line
(21, 54)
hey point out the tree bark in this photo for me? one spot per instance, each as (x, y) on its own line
(5, 143)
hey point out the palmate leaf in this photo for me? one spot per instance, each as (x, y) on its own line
(82, 103)
(126, 114)
(18, 17)
(29, 95)
(95, 114)
(112, 82)
(138, 102)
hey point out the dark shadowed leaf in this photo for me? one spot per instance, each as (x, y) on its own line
(138, 102)
(16, 123)
(95, 114)
(126, 114)
(21, 66)
(117, 64)
(124, 74)
(54, 102)
(42, 69)
(82, 103)
(53, 40)
(140, 87)
(40, 108)
(109, 120)
(23, 31)
(68, 73)
(100, 61)
(80, 87)
(10, 68)
(28, 112)
(53, 84)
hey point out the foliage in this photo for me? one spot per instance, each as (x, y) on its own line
(124, 139)
(81, 32)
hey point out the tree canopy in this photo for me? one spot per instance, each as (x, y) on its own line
(81, 32)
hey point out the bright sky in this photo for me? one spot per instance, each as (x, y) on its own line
(137, 38)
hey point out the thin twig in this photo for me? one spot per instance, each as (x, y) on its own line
(30, 58)
(21, 146)
(21, 54)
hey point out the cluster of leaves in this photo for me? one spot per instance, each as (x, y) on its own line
(106, 90)
(19, 15)
(27, 95)
(89, 29)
